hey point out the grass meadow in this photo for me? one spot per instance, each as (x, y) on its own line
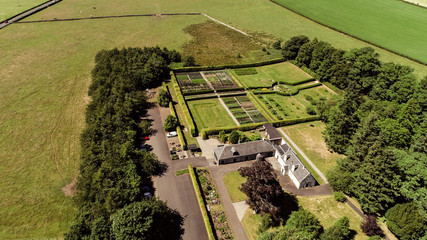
(45, 75)
(328, 211)
(392, 24)
(9, 8)
(310, 140)
(269, 74)
(209, 113)
(252, 16)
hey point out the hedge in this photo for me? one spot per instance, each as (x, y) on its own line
(201, 97)
(245, 127)
(198, 92)
(220, 67)
(230, 89)
(172, 109)
(184, 107)
(294, 92)
(287, 122)
(261, 107)
(236, 79)
(299, 82)
(232, 94)
(205, 215)
(181, 138)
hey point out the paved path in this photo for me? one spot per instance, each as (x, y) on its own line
(28, 13)
(177, 190)
(218, 173)
(303, 155)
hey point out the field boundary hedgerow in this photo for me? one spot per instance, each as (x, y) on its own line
(351, 35)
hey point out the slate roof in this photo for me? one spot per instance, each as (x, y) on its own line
(272, 131)
(243, 149)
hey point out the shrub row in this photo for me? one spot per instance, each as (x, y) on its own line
(230, 89)
(260, 107)
(184, 107)
(201, 97)
(198, 92)
(295, 121)
(215, 131)
(220, 67)
(299, 82)
(294, 92)
(232, 94)
(246, 71)
(205, 215)
(181, 138)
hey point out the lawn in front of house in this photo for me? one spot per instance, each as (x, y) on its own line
(310, 140)
(328, 211)
(233, 181)
(209, 113)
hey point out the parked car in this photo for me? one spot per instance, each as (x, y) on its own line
(145, 138)
(171, 134)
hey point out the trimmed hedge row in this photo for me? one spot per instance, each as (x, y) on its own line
(232, 94)
(184, 107)
(219, 67)
(299, 82)
(215, 131)
(173, 112)
(230, 89)
(201, 97)
(198, 92)
(260, 107)
(235, 79)
(295, 92)
(287, 122)
(209, 227)
(181, 138)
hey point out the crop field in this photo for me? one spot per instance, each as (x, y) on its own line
(265, 76)
(287, 107)
(309, 137)
(209, 113)
(220, 79)
(243, 110)
(392, 24)
(191, 81)
(9, 8)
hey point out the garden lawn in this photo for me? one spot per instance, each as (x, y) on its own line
(233, 181)
(9, 8)
(310, 140)
(209, 113)
(267, 75)
(45, 76)
(392, 24)
(328, 211)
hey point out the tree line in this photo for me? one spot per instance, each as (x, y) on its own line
(380, 124)
(115, 174)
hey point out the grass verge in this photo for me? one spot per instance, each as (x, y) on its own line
(233, 181)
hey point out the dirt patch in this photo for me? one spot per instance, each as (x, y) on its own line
(71, 188)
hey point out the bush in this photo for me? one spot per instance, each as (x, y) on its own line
(223, 136)
(170, 123)
(287, 122)
(181, 138)
(340, 197)
(164, 98)
(310, 110)
(266, 223)
(405, 221)
(189, 61)
(234, 137)
(370, 226)
(277, 45)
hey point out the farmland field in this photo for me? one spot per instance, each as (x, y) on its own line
(392, 24)
(265, 76)
(309, 137)
(209, 113)
(9, 8)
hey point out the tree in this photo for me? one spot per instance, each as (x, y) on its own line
(405, 221)
(292, 46)
(310, 110)
(370, 226)
(277, 45)
(234, 137)
(304, 222)
(146, 220)
(265, 195)
(170, 123)
(189, 61)
(223, 137)
(164, 98)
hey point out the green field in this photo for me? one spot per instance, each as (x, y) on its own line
(328, 211)
(310, 140)
(9, 8)
(45, 75)
(391, 24)
(267, 75)
(209, 113)
(233, 181)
